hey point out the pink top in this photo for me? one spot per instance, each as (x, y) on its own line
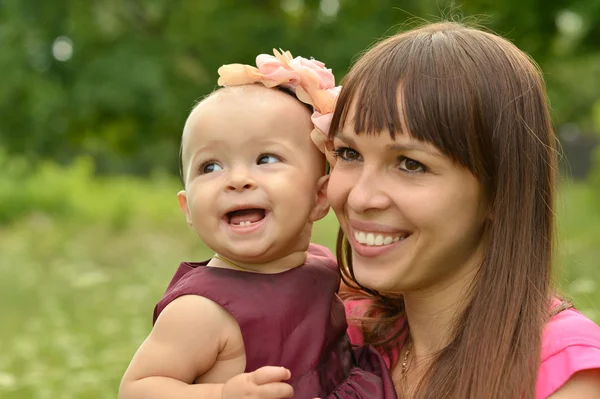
(571, 343)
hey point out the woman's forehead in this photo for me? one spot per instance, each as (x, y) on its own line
(361, 117)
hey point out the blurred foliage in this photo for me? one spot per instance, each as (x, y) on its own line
(595, 173)
(74, 195)
(115, 79)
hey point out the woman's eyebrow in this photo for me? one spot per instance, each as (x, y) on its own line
(413, 146)
(346, 139)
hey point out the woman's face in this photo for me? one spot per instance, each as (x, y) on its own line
(413, 217)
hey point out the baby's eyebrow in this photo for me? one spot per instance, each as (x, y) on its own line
(276, 145)
(192, 159)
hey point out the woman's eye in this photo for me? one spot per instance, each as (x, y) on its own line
(267, 158)
(346, 154)
(411, 166)
(210, 167)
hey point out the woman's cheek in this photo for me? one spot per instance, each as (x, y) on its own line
(338, 188)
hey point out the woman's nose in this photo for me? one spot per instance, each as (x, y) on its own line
(369, 192)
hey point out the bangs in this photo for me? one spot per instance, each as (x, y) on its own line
(425, 84)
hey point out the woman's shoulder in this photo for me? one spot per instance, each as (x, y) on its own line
(569, 328)
(570, 343)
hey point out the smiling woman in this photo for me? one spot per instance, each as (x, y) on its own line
(444, 186)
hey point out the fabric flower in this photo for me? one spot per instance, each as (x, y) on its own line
(310, 80)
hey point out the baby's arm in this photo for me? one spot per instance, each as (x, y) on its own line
(184, 344)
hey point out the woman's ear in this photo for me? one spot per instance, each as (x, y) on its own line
(183, 205)
(321, 207)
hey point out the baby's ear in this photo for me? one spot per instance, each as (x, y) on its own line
(183, 205)
(321, 207)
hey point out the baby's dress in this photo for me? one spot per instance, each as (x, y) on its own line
(292, 319)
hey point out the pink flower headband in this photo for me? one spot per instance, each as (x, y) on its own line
(309, 79)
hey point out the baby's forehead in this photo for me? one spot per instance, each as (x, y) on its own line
(244, 114)
(248, 106)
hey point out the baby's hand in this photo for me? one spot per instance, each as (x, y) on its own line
(264, 383)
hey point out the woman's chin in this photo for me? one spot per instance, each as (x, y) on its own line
(378, 280)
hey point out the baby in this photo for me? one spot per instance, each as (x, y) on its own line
(261, 319)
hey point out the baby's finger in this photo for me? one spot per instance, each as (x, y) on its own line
(275, 390)
(267, 374)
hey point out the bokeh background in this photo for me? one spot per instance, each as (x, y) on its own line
(93, 97)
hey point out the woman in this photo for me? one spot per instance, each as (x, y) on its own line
(444, 186)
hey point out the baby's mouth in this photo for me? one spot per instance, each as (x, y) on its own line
(245, 217)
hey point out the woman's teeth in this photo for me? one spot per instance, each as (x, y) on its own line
(375, 239)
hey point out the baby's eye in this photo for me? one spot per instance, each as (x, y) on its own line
(210, 167)
(346, 154)
(411, 166)
(267, 158)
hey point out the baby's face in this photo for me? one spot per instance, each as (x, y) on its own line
(251, 173)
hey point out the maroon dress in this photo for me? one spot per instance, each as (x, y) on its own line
(292, 319)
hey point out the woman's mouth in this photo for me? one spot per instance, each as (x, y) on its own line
(371, 244)
(377, 239)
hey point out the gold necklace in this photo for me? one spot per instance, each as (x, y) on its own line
(230, 263)
(404, 365)
(404, 369)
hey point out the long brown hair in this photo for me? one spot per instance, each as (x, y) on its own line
(481, 101)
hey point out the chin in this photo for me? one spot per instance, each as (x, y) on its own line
(368, 279)
(378, 279)
(248, 252)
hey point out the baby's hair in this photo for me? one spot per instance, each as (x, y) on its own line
(220, 89)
